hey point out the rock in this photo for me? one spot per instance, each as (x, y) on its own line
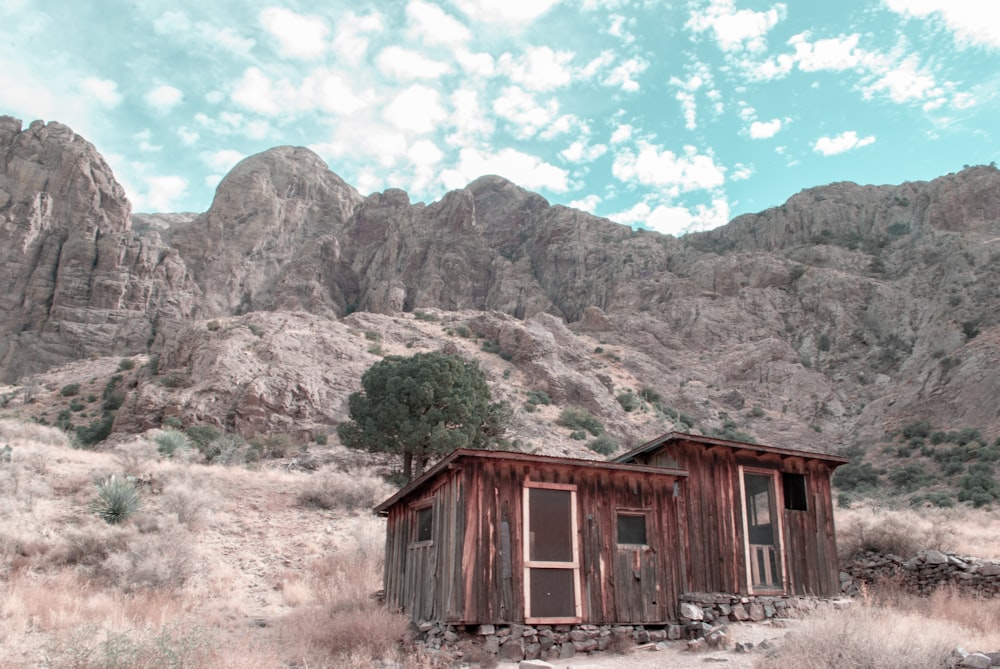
(696, 645)
(567, 650)
(935, 557)
(512, 650)
(690, 611)
(976, 661)
(491, 645)
(534, 664)
(740, 613)
(991, 569)
(486, 629)
(757, 613)
(743, 646)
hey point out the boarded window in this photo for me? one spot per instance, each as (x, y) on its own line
(794, 487)
(632, 528)
(425, 523)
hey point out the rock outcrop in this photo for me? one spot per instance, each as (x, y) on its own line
(843, 313)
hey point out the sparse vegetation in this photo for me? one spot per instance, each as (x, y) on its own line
(70, 389)
(604, 444)
(629, 401)
(579, 420)
(125, 364)
(117, 499)
(255, 329)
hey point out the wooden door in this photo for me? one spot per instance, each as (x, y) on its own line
(551, 554)
(762, 521)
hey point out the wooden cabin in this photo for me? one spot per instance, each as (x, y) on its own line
(499, 537)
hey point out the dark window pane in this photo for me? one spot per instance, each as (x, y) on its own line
(425, 519)
(550, 525)
(552, 593)
(631, 529)
(794, 486)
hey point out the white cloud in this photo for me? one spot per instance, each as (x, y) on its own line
(676, 220)
(622, 133)
(523, 169)
(470, 122)
(509, 12)
(734, 29)
(845, 141)
(617, 28)
(256, 92)
(588, 203)
(579, 151)
(187, 136)
(161, 193)
(222, 160)
(654, 166)
(624, 75)
(406, 64)
(178, 25)
(475, 64)
(104, 91)
(145, 144)
(836, 54)
(351, 39)
(329, 90)
(299, 36)
(904, 81)
(416, 109)
(741, 172)
(527, 115)
(765, 129)
(429, 24)
(538, 68)
(163, 98)
(973, 21)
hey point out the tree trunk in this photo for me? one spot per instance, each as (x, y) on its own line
(408, 465)
(421, 463)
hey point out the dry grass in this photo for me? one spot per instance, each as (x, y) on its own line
(337, 621)
(179, 583)
(347, 490)
(879, 634)
(966, 531)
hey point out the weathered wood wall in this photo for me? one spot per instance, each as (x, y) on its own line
(715, 526)
(473, 571)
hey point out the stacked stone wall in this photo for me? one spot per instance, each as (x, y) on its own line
(923, 573)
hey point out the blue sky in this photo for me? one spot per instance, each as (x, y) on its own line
(675, 116)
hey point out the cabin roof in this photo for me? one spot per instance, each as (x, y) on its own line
(670, 437)
(464, 453)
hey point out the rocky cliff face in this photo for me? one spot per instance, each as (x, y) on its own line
(846, 311)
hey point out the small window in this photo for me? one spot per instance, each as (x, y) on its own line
(632, 528)
(425, 523)
(794, 487)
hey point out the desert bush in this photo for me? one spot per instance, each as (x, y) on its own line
(920, 428)
(538, 397)
(910, 477)
(629, 401)
(650, 396)
(868, 637)
(163, 560)
(424, 316)
(321, 439)
(117, 499)
(169, 647)
(125, 364)
(979, 487)
(190, 506)
(97, 431)
(90, 545)
(604, 444)
(855, 476)
(579, 419)
(900, 532)
(349, 491)
(172, 443)
(70, 390)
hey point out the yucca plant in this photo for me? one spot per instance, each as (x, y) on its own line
(117, 499)
(171, 443)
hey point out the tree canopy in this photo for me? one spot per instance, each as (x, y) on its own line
(421, 406)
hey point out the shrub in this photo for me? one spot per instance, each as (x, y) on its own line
(213, 326)
(174, 422)
(97, 431)
(921, 429)
(126, 364)
(910, 477)
(604, 444)
(578, 435)
(175, 378)
(321, 439)
(161, 560)
(171, 443)
(372, 335)
(349, 491)
(201, 436)
(70, 389)
(979, 487)
(490, 346)
(76, 405)
(256, 329)
(855, 476)
(579, 419)
(970, 329)
(756, 411)
(424, 316)
(117, 499)
(463, 331)
(650, 396)
(629, 401)
(539, 397)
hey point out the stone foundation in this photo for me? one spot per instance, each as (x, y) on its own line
(703, 621)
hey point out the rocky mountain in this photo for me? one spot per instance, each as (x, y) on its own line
(848, 311)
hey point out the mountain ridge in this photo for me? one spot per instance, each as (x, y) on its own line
(848, 310)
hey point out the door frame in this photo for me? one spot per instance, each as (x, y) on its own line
(777, 513)
(529, 564)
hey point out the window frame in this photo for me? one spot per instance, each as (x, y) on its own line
(424, 506)
(632, 513)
